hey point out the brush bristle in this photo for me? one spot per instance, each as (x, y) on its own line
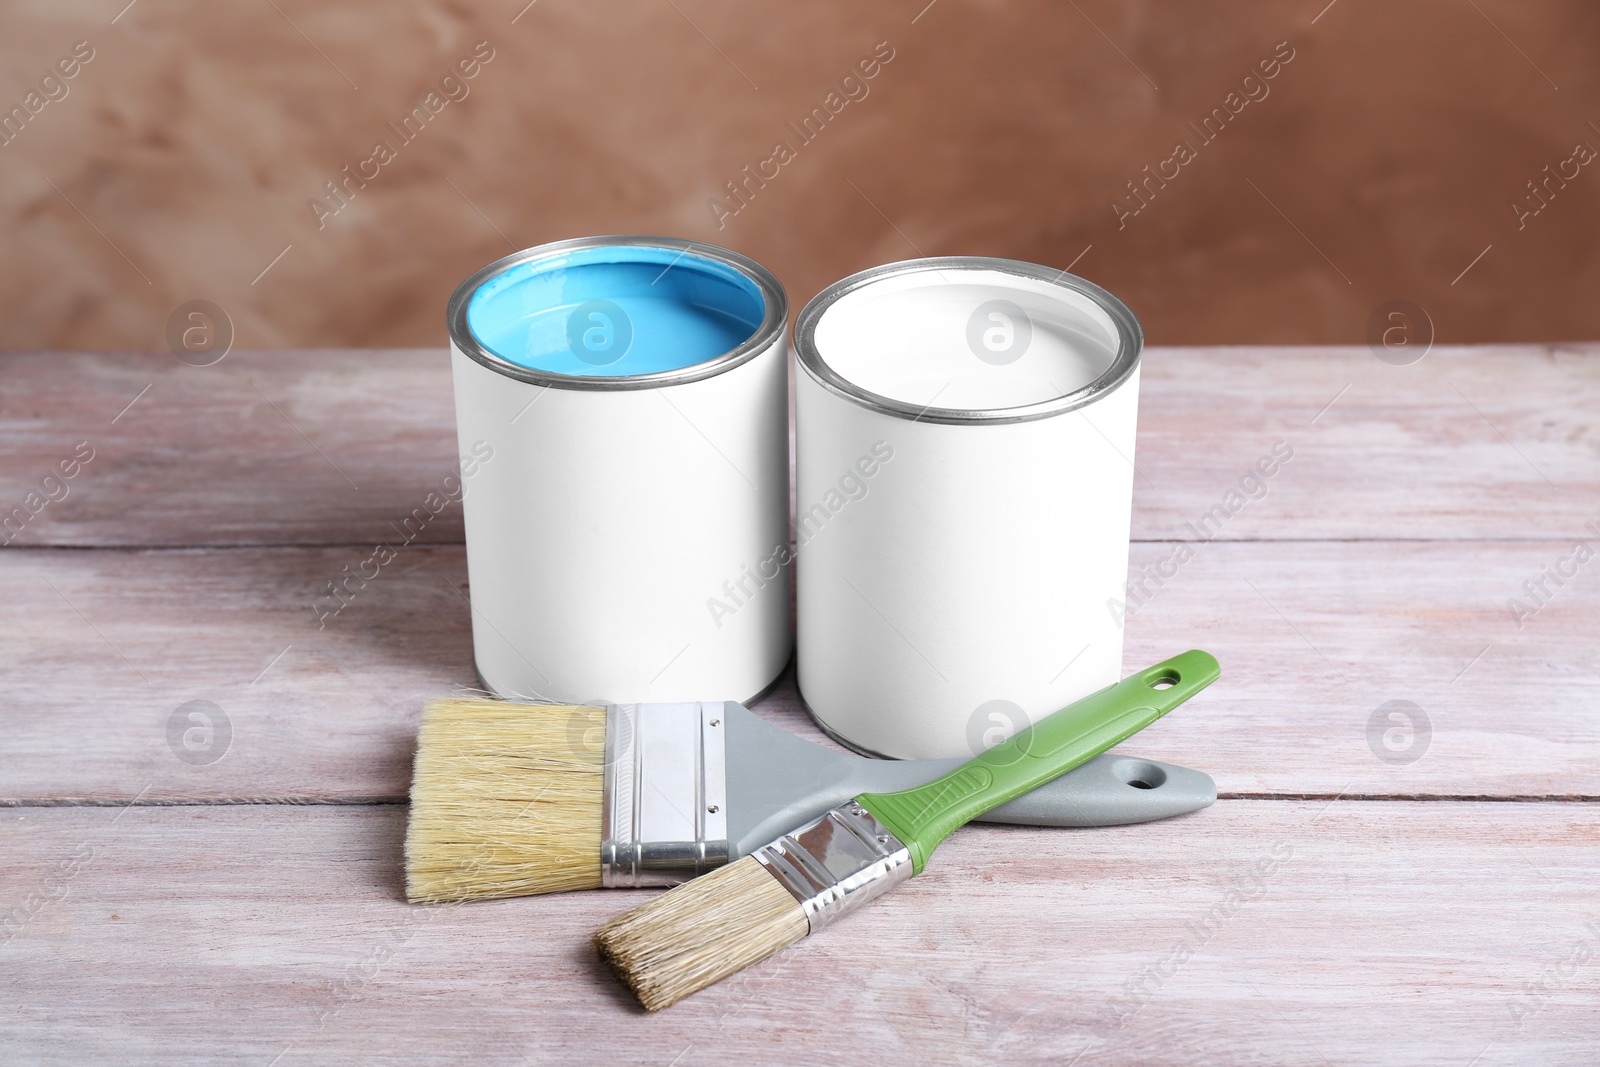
(701, 932)
(505, 800)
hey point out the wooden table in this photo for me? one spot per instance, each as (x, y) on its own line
(1429, 896)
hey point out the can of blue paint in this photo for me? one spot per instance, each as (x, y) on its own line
(626, 400)
(964, 460)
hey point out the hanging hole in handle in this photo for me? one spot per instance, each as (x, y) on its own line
(1165, 680)
(1140, 774)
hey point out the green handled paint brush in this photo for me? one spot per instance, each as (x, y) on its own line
(722, 922)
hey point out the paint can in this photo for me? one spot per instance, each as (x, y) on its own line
(964, 457)
(624, 404)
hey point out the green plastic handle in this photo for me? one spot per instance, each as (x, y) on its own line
(925, 816)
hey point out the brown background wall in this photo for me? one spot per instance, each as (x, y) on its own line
(1380, 163)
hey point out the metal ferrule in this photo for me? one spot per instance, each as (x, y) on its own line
(664, 817)
(836, 864)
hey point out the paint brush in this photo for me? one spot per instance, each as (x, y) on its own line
(720, 923)
(512, 799)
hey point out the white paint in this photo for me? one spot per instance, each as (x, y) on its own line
(906, 338)
(978, 565)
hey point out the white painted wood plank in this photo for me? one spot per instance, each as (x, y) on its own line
(263, 447)
(105, 646)
(1258, 931)
(333, 447)
(1482, 441)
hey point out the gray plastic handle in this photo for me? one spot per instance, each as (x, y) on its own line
(777, 781)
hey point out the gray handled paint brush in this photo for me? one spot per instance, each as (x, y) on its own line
(722, 922)
(513, 799)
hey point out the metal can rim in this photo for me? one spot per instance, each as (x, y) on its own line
(772, 325)
(1130, 343)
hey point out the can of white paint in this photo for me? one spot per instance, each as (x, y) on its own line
(627, 534)
(964, 456)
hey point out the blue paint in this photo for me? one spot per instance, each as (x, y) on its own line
(615, 311)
